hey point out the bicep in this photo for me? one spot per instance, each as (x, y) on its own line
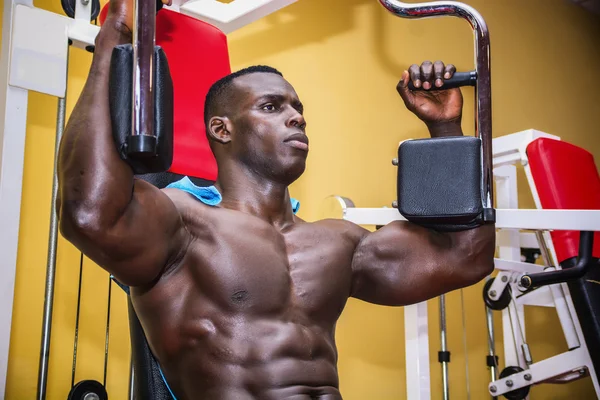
(401, 264)
(142, 240)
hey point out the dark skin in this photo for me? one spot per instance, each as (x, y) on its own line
(240, 301)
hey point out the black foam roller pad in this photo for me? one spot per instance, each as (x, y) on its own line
(120, 98)
(439, 182)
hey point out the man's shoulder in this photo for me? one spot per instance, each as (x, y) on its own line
(341, 229)
(181, 197)
(188, 205)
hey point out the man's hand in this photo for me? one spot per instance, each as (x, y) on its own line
(120, 15)
(434, 107)
(120, 12)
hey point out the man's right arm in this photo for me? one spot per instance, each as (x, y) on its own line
(127, 226)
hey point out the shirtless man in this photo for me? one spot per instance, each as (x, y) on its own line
(240, 300)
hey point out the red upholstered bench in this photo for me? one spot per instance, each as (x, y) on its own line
(566, 177)
(198, 56)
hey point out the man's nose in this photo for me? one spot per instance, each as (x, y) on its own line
(296, 120)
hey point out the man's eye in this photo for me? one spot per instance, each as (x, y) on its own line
(268, 107)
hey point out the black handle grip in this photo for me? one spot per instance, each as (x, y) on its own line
(458, 79)
(584, 262)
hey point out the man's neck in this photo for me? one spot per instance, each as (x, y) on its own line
(246, 191)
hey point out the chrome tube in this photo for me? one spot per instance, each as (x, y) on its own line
(491, 344)
(143, 139)
(539, 235)
(483, 103)
(444, 346)
(131, 391)
(465, 345)
(77, 313)
(106, 340)
(51, 260)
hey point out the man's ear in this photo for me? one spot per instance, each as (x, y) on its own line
(219, 129)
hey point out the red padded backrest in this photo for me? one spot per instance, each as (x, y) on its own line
(198, 56)
(566, 177)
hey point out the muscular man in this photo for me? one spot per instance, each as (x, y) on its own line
(240, 300)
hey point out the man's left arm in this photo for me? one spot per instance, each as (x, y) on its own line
(403, 263)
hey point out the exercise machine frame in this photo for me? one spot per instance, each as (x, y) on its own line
(35, 48)
(514, 228)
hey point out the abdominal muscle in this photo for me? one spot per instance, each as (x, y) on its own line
(242, 358)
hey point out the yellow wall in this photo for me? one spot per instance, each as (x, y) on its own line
(344, 57)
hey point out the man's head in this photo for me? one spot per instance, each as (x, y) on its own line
(254, 117)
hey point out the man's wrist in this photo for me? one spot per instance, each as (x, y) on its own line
(445, 128)
(113, 33)
(110, 35)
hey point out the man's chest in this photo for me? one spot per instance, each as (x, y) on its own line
(249, 266)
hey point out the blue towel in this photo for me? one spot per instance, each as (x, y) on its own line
(209, 194)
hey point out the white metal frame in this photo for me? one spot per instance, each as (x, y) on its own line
(505, 218)
(509, 151)
(34, 57)
(229, 17)
(14, 116)
(416, 336)
(565, 367)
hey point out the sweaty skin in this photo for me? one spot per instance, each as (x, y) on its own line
(240, 301)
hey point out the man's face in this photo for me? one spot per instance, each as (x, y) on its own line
(268, 128)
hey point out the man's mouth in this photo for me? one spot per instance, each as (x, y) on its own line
(298, 141)
(298, 144)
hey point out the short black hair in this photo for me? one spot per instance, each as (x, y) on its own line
(216, 93)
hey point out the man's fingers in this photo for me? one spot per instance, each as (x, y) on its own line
(438, 73)
(415, 75)
(427, 74)
(449, 71)
(430, 75)
(404, 91)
